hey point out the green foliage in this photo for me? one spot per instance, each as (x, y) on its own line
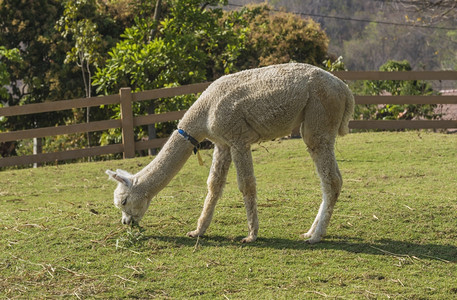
(196, 44)
(392, 233)
(43, 74)
(179, 54)
(191, 44)
(76, 24)
(280, 37)
(335, 65)
(28, 27)
(12, 55)
(396, 88)
(5, 78)
(87, 41)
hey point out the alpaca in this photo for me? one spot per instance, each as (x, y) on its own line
(236, 111)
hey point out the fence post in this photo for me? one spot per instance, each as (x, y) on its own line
(37, 149)
(128, 138)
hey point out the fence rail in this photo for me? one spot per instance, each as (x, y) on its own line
(128, 121)
(402, 75)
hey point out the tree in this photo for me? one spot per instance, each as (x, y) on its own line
(446, 53)
(87, 41)
(377, 44)
(280, 37)
(185, 40)
(6, 148)
(5, 78)
(435, 11)
(415, 30)
(177, 54)
(30, 26)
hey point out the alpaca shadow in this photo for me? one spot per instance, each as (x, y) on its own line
(396, 248)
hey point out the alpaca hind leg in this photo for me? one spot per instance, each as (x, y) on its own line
(242, 159)
(316, 220)
(331, 182)
(216, 181)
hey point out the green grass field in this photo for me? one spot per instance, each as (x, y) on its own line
(393, 233)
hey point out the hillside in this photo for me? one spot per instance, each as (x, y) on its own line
(368, 33)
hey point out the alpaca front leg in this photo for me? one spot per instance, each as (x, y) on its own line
(216, 181)
(247, 185)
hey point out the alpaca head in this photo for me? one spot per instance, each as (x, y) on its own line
(128, 197)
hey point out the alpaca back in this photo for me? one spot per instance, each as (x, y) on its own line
(265, 103)
(257, 104)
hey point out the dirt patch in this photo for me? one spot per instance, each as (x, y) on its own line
(448, 111)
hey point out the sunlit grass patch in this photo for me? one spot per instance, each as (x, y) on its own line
(393, 232)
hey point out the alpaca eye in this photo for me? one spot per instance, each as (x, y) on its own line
(124, 201)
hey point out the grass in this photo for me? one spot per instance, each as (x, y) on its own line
(393, 233)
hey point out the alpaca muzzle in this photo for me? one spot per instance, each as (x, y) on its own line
(128, 220)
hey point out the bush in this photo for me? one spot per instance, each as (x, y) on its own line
(395, 88)
(280, 37)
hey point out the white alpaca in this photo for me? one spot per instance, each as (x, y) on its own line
(236, 111)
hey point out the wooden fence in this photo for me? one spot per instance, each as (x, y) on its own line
(128, 121)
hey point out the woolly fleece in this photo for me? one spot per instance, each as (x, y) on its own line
(236, 111)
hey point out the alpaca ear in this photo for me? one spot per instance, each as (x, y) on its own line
(121, 178)
(123, 173)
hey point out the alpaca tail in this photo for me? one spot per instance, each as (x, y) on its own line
(348, 112)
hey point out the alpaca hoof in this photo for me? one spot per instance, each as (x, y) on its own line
(306, 235)
(311, 237)
(248, 239)
(193, 234)
(313, 240)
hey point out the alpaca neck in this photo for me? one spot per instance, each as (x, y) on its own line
(155, 176)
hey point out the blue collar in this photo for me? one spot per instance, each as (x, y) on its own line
(190, 139)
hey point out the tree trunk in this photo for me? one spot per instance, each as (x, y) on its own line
(152, 134)
(85, 67)
(157, 13)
